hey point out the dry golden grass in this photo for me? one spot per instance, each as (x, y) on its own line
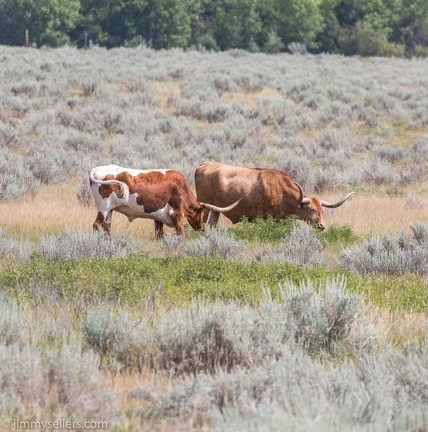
(372, 214)
(56, 207)
(400, 327)
(250, 100)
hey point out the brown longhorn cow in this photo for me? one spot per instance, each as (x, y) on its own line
(163, 195)
(267, 192)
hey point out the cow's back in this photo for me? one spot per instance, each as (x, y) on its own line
(221, 184)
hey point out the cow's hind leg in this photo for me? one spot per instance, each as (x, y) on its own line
(99, 222)
(158, 229)
(103, 222)
(107, 223)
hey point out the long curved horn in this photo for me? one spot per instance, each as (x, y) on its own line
(336, 204)
(221, 209)
(301, 200)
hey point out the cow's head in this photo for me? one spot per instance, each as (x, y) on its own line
(196, 219)
(311, 209)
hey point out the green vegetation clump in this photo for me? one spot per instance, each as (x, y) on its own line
(336, 236)
(266, 230)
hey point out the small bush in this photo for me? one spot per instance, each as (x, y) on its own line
(392, 255)
(98, 328)
(362, 39)
(24, 385)
(18, 249)
(12, 323)
(172, 242)
(49, 166)
(420, 233)
(78, 385)
(320, 320)
(274, 43)
(297, 48)
(216, 241)
(301, 246)
(78, 244)
(201, 338)
(16, 180)
(208, 42)
(84, 194)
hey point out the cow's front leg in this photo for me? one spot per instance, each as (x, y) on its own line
(178, 221)
(158, 229)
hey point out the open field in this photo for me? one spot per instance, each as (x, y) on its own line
(55, 208)
(253, 326)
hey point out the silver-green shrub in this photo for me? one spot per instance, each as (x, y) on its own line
(83, 193)
(21, 249)
(75, 244)
(172, 243)
(319, 320)
(391, 254)
(12, 323)
(81, 392)
(420, 233)
(382, 391)
(17, 179)
(216, 241)
(203, 337)
(98, 328)
(301, 246)
(23, 381)
(49, 166)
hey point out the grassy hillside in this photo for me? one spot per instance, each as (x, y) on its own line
(246, 327)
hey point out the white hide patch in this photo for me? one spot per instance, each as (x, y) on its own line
(133, 210)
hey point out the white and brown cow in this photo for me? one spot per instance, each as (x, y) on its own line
(163, 195)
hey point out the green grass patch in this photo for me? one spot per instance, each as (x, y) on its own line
(264, 230)
(179, 279)
(129, 280)
(270, 231)
(337, 236)
(407, 292)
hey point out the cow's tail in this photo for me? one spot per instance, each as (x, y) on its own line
(124, 188)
